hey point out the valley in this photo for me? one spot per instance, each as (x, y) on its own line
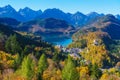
(54, 45)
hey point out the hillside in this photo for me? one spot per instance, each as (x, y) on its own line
(108, 24)
(46, 26)
(9, 21)
(6, 31)
(98, 41)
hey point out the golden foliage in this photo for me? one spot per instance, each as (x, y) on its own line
(52, 73)
(38, 48)
(7, 60)
(106, 76)
(96, 51)
(110, 74)
(84, 73)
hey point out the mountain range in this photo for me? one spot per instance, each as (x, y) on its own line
(108, 24)
(57, 22)
(43, 26)
(27, 14)
(10, 12)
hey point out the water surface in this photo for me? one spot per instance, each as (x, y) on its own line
(58, 40)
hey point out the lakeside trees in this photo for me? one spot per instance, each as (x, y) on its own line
(40, 63)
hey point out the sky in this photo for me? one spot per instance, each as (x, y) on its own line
(72, 6)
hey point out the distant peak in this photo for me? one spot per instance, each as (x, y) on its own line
(53, 9)
(27, 8)
(110, 16)
(8, 7)
(79, 13)
(92, 13)
(117, 15)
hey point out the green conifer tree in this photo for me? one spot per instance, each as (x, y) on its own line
(12, 45)
(69, 72)
(27, 68)
(95, 71)
(42, 64)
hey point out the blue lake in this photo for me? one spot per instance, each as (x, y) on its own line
(64, 42)
(58, 39)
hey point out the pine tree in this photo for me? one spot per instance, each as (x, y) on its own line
(25, 51)
(95, 71)
(27, 68)
(8, 45)
(2, 41)
(42, 64)
(17, 61)
(56, 57)
(12, 45)
(69, 72)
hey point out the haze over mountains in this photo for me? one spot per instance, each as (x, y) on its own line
(28, 14)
